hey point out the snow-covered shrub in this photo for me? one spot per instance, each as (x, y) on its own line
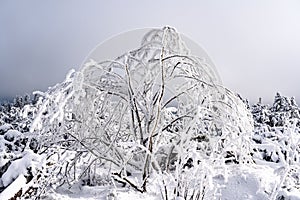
(277, 138)
(20, 113)
(283, 111)
(156, 110)
(18, 147)
(18, 161)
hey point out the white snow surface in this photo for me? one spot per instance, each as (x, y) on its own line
(96, 193)
(12, 134)
(19, 167)
(13, 188)
(244, 182)
(5, 127)
(249, 183)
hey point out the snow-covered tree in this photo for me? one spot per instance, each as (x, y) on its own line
(156, 110)
(156, 120)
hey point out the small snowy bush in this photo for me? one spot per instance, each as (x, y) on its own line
(18, 161)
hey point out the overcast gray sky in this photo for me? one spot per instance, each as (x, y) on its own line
(254, 44)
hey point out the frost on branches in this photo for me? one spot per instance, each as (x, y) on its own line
(153, 123)
(156, 116)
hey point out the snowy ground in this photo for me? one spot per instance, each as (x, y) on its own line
(243, 183)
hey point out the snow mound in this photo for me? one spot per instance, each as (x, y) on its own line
(4, 128)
